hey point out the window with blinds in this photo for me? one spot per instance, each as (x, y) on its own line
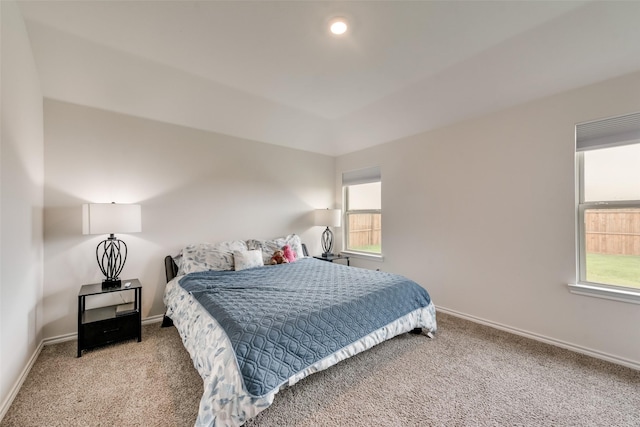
(362, 191)
(608, 186)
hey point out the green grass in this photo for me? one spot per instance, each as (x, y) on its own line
(376, 249)
(621, 270)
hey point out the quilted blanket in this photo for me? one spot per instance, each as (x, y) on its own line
(282, 319)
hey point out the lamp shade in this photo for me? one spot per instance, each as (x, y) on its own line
(111, 218)
(327, 217)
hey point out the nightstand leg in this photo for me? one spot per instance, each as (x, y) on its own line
(80, 334)
(139, 304)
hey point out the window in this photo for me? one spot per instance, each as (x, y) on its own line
(608, 159)
(363, 211)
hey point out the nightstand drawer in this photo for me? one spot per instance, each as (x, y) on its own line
(110, 330)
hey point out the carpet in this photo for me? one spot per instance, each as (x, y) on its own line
(468, 375)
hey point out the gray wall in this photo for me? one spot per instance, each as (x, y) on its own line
(194, 186)
(482, 214)
(21, 189)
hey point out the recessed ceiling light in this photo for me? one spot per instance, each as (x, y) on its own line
(338, 26)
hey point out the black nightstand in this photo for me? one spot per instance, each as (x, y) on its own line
(332, 258)
(110, 324)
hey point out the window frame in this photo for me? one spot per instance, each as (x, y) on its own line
(347, 212)
(582, 285)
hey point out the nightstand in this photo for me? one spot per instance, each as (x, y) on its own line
(331, 258)
(110, 324)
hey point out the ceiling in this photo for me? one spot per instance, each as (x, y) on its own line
(270, 71)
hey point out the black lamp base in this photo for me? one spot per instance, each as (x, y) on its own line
(111, 283)
(111, 255)
(327, 243)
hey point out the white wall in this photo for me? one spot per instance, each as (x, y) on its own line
(482, 214)
(21, 197)
(193, 186)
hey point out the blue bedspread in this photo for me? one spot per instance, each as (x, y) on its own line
(281, 319)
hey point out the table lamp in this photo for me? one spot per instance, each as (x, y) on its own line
(328, 218)
(111, 218)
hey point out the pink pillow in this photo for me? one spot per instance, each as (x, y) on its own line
(288, 253)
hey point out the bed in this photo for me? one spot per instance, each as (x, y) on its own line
(251, 331)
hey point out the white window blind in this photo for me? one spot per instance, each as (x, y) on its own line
(361, 176)
(615, 131)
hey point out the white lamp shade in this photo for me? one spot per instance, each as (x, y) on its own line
(111, 218)
(327, 217)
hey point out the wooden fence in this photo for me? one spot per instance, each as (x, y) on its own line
(614, 231)
(364, 230)
(608, 231)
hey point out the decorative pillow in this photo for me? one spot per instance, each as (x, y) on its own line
(288, 253)
(247, 259)
(294, 241)
(210, 256)
(268, 247)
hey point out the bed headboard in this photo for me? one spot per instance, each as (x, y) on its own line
(171, 269)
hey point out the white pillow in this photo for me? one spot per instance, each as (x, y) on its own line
(247, 259)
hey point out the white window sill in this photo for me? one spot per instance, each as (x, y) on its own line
(362, 255)
(616, 294)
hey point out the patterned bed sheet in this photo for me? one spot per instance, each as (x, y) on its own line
(225, 400)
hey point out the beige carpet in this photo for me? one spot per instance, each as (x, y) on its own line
(469, 375)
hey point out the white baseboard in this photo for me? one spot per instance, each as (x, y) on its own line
(153, 319)
(18, 384)
(558, 343)
(60, 338)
